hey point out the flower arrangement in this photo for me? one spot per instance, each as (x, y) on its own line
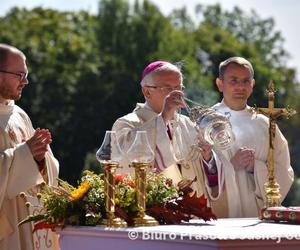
(85, 205)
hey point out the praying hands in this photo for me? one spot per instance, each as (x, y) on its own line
(243, 159)
(38, 143)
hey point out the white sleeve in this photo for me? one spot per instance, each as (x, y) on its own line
(284, 173)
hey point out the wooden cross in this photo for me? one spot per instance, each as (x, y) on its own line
(272, 187)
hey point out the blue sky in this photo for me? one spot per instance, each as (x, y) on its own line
(286, 14)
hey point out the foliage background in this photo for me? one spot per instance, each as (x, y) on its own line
(85, 69)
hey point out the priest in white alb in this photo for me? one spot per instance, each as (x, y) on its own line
(245, 163)
(26, 160)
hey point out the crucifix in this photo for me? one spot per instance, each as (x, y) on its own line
(271, 186)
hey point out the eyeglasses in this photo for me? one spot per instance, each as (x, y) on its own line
(22, 75)
(167, 89)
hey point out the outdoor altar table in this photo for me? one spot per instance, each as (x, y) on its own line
(246, 233)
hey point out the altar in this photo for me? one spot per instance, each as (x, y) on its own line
(245, 233)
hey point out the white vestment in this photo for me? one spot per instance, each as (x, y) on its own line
(245, 190)
(167, 152)
(19, 173)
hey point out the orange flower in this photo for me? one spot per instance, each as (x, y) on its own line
(78, 193)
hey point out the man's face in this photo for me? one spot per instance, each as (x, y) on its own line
(12, 84)
(165, 82)
(236, 85)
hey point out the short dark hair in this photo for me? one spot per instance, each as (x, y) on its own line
(236, 60)
(5, 51)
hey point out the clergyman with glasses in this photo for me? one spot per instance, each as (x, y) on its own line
(172, 136)
(26, 160)
(245, 164)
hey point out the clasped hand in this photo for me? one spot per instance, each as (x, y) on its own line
(38, 143)
(243, 159)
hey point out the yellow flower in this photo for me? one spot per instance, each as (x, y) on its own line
(78, 193)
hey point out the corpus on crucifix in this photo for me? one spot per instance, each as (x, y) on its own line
(271, 186)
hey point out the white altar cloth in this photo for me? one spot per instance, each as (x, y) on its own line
(246, 233)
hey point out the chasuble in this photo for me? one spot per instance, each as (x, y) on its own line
(176, 153)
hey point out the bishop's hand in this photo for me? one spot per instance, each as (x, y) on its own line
(172, 102)
(206, 149)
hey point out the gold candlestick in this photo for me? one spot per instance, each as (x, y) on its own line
(109, 155)
(140, 186)
(109, 192)
(271, 186)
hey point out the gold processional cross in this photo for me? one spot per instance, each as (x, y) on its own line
(271, 186)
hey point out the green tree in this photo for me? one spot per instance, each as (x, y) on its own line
(223, 34)
(85, 69)
(60, 50)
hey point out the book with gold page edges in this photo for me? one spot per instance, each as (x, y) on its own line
(287, 214)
